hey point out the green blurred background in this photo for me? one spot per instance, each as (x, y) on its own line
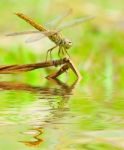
(93, 113)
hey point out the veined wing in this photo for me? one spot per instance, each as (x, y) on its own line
(22, 33)
(75, 22)
(55, 22)
(40, 36)
(34, 38)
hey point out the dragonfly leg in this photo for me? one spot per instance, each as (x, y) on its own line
(63, 52)
(67, 52)
(49, 51)
(59, 53)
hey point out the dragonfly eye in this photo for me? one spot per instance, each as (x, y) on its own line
(68, 43)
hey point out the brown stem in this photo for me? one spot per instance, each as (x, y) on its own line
(65, 67)
(74, 69)
(58, 73)
(10, 69)
(28, 67)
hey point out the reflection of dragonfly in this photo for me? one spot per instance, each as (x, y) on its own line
(53, 35)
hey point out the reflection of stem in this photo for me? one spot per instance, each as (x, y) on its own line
(64, 91)
(5, 85)
(37, 141)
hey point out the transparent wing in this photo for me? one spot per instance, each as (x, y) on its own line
(75, 22)
(55, 22)
(40, 36)
(22, 33)
(35, 38)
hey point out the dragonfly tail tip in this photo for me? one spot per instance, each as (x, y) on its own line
(16, 13)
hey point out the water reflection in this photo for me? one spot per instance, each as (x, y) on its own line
(59, 116)
(37, 140)
(42, 113)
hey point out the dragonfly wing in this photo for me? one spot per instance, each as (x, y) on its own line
(75, 22)
(34, 38)
(54, 23)
(22, 33)
(40, 36)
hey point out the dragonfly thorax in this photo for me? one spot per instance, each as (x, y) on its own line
(59, 40)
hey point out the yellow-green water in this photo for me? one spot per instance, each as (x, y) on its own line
(57, 116)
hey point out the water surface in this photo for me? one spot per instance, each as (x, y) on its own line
(59, 116)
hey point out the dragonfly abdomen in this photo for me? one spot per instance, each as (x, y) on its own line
(30, 21)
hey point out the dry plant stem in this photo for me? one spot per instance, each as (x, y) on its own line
(67, 63)
(74, 69)
(58, 73)
(28, 67)
(64, 68)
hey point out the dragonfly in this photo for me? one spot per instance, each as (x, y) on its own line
(53, 34)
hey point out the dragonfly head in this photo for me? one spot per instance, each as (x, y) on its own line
(67, 43)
